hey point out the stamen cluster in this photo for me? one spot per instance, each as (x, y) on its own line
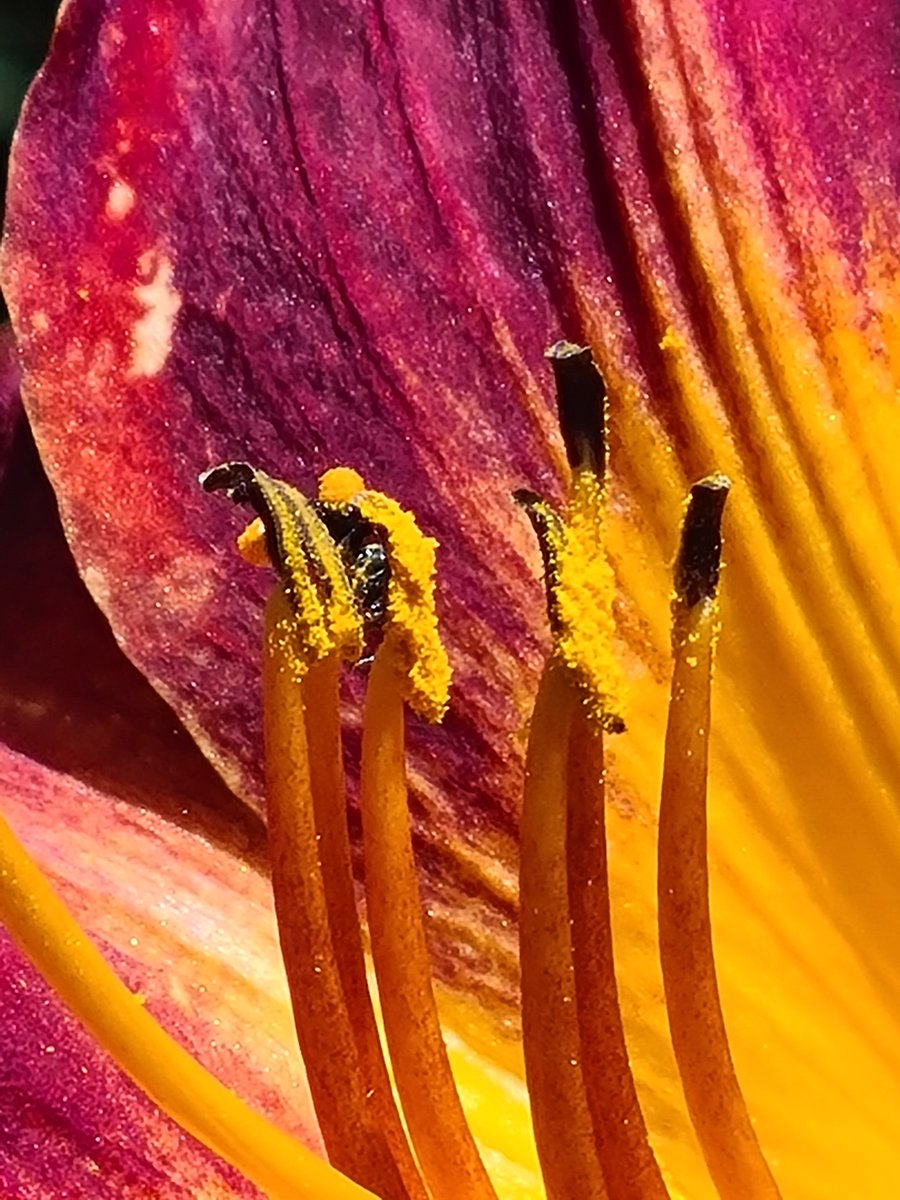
(355, 573)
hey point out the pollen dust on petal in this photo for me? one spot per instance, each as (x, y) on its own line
(151, 333)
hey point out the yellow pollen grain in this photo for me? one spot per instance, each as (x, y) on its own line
(419, 654)
(339, 485)
(672, 341)
(583, 594)
(251, 545)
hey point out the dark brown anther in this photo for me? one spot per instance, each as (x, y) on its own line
(295, 532)
(581, 402)
(697, 567)
(243, 484)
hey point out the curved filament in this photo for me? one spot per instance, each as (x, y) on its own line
(321, 695)
(714, 1098)
(347, 1117)
(553, 1068)
(443, 1142)
(629, 1165)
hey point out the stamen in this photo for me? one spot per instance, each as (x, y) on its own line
(348, 1120)
(563, 1129)
(49, 935)
(578, 576)
(323, 550)
(417, 648)
(590, 1131)
(322, 616)
(323, 728)
(629, 1164)
(437, 1125)
(714, 1099)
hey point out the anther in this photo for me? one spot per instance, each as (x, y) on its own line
(697, 567)
(323, 614)
(581, 402)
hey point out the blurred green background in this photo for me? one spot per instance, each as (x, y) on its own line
(25, 27)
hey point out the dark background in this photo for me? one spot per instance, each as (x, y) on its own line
(25, 27)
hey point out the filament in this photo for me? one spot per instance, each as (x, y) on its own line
(629, 1165)
(714, 1099)
(442, 1139)
(348, 1120)
(321, 695)
(563, 1128)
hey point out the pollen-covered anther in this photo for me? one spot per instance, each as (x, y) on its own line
(322, 615)
(339, 485)
(411, 631)
(584, 590)
(580, 588)
(577, 574)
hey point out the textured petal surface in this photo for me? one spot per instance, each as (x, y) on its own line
(308, 234)
(160, 864)
(72, 1125)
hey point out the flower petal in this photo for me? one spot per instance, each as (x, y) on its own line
(160, 864)
(72, 1124)
(290, 232)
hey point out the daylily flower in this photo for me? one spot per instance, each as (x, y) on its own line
(305, 236)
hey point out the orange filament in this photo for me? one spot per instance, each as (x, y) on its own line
(49, 935)
(442, 1139)
(714, 1099)
(321, 695)
(629, 1165)
(349, 1121)
(563, 1129)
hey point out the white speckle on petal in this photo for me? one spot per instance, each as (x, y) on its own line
(152, 333)
(120, 200)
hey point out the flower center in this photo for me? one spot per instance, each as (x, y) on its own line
(355, 575)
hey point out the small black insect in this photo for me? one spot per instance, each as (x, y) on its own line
(370, 573)
(365, 558)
